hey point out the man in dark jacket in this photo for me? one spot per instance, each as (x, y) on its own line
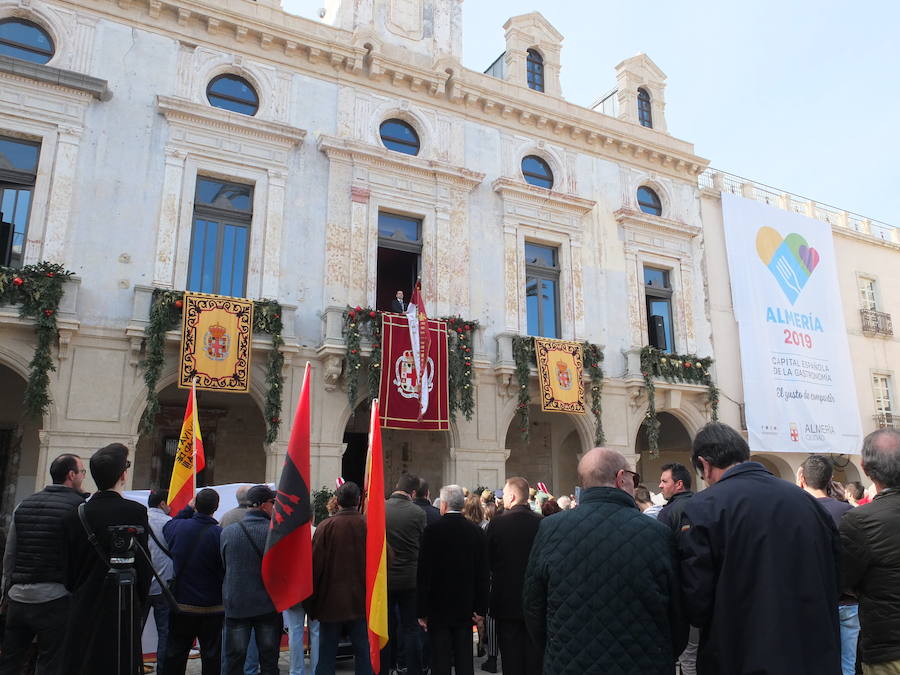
(758, 567)
(339, 582)
(870, 543)
(404, 523)
(194, 538)
(248, 606)
(423, 501)
(104, 628)
(601, 587)
(509, 540)
(675, 485)
(34, 571)
(452, 584)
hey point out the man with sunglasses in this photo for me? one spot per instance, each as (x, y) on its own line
(601, 588)
(34, 570)
(759, 567)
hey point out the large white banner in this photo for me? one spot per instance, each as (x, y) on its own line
(798, 381)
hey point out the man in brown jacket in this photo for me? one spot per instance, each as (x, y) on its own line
(339, 583)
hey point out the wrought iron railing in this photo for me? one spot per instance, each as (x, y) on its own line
(877, 323)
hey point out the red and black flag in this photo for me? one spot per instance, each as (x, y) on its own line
(287, 563)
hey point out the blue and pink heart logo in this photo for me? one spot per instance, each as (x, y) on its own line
(790, 260)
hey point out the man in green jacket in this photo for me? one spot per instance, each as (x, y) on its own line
(601, 588)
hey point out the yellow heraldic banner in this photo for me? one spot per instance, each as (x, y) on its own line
(215, 342)
(560, 367)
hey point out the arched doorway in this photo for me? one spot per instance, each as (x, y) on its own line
(422, 453)
(674, 446)
(775, 465)
(551, 453)
(845, 470)
(19, 446)
(233, 430)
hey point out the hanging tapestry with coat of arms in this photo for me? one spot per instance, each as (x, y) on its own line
(400, 393)
(215, 343)
(560, 366)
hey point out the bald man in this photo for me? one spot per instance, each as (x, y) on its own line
(601, 588)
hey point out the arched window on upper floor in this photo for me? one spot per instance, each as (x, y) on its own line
(535, 70)
(537, 172)
(399, 136)
(645, 117)
(233, 93)
(25, 40)
(649, 201)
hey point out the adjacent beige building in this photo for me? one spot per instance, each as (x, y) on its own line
(229, 147)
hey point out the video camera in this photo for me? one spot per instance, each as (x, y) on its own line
(122, 543)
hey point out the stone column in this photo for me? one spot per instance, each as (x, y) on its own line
(167, 226)
(474, 467)
(362, 278)
(274, 226)
(59, 206)
(325, 463)
(511, 277)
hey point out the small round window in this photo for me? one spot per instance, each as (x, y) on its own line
(649, 202)
(25, 40)
(537, 172)
(399, 136)
(233, 93)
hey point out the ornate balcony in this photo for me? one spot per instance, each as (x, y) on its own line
(876, 323)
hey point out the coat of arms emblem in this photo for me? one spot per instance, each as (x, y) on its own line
(563, 377)
(405, 375)
(216, 342)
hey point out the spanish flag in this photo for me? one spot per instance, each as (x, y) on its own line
(376, 548)
(189, 459)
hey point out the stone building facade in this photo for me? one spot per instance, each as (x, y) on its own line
(143, 103)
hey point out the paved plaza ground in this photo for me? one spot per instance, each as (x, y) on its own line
(343, 665)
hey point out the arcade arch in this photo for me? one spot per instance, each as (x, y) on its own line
(551, 453)
(19, 445)
(674, 446)
(234, 439)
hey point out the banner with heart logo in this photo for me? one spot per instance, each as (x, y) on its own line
(799, 391)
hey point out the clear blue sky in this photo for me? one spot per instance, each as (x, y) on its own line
(798, 94)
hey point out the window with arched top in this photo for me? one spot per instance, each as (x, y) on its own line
(25, 40)
(535, 70)
(233, 93)
(399, 136)
(648, 201)
(645, 117)
(537, 172)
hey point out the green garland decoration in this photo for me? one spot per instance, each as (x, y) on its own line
(459, 336)
(687, 368)
(354, 320)
(165, 315)
(38, 290)
(320, 499)
(593, 358)
(524, 356)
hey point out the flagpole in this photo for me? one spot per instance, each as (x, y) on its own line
(193, 435)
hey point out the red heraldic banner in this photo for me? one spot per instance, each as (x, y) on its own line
(287, 562)
(399, 393)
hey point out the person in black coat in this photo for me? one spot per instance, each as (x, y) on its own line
(759, 566)
(509, 540)
(423, 501)
(452, 584)
(104, 634)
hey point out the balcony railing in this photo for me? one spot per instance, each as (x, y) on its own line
(887, 420)
(725, 182)
(876, 323)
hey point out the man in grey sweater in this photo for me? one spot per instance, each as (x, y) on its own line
(247, 603)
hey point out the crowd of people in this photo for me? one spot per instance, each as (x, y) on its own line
(752, 575)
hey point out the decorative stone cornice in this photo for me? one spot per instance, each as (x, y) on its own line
(644, 221)
(537, 196)
(358, 152)
(208, 117)
(49, 76)
(310, 46)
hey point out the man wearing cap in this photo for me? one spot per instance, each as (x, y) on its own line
(247, 603)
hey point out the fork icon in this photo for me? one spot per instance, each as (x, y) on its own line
(788, 276)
